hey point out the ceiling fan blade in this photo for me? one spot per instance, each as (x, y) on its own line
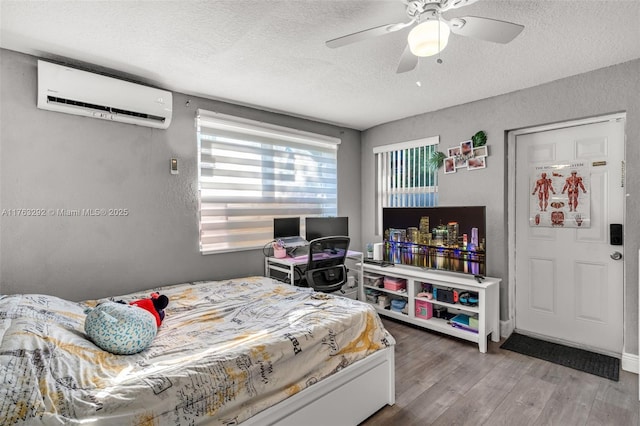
(485, 29)
(454, 4)
(408, 61)
(365, 34)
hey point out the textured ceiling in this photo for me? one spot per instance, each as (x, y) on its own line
(270, 54)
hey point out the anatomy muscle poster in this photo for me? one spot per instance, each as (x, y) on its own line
(560, 195)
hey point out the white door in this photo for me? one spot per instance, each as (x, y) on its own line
(569, 286)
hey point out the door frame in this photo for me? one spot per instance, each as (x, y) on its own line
(508, 326)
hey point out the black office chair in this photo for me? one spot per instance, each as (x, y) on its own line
(326, 271)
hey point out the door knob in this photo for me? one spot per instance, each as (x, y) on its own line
(616, 255)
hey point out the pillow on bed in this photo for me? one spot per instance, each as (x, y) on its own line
(120, 329)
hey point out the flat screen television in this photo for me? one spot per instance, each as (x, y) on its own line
(444, 238)
(318, 227)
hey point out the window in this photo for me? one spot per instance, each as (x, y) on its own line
(251, 172)
(403, 177)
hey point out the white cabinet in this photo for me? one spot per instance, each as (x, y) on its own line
(487, 309)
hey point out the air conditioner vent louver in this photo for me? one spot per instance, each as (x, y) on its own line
(137, 114)
(93, 95)
(55, 99)
(76, 103)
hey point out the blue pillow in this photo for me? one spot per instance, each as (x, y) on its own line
(120, 329)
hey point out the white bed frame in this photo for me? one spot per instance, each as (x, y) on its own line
(345, 398)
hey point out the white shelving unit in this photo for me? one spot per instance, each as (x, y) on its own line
(487, 310)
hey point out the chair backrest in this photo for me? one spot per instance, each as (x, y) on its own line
(326, 271)
(327, 251)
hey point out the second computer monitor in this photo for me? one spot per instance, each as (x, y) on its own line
(318, 227)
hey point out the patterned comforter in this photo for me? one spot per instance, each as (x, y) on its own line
(225, 351)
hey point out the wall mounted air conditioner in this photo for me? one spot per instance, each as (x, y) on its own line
(74, 91)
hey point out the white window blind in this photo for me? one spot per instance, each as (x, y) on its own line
(251, 172)
(403, 178)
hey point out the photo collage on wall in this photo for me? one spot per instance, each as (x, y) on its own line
(465, 156)
(560, 195)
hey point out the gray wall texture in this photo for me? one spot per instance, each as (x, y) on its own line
(604, 91)
(52, 160)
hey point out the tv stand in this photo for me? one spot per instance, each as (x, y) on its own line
(487, 309)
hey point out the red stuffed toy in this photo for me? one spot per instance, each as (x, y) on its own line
(155, 305)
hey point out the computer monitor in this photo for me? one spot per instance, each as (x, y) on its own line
(286, 227)
(318, 227)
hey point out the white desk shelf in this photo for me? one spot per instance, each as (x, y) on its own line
(288, 264)
(487, 310)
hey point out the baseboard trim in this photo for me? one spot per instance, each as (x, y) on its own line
(630, 362)
(506, 328)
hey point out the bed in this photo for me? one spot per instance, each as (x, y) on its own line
(250, 350)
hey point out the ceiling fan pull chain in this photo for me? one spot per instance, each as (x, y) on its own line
(439, 34)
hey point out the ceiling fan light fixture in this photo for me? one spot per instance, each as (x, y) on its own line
(428, 38)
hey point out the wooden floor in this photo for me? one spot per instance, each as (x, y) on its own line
(441, 380)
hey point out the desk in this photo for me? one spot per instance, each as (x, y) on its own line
(287, 264)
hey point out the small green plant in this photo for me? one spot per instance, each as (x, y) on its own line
(479, 139)
(435, 160)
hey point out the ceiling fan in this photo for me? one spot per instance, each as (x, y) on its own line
(430, 32)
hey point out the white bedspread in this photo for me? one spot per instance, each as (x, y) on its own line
(226, 351)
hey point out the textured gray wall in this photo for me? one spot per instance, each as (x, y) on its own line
(52, 160)
(61, 161)
(608, 90)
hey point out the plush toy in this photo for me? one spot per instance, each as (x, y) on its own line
(120, 328)
(155, 305)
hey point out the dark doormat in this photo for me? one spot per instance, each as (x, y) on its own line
(578, 359)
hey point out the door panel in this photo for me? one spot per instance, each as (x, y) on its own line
(589, 278)
(567, 287)
(543, 285)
